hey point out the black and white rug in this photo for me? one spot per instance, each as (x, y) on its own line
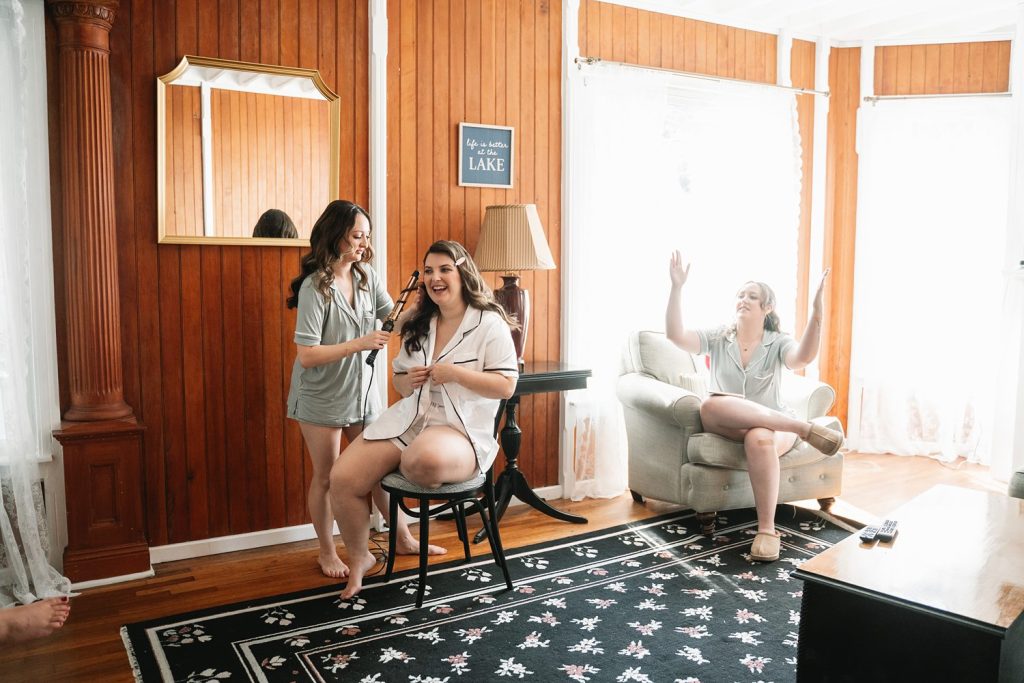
(648, 601)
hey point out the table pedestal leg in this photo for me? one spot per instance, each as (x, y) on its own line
(512, 482)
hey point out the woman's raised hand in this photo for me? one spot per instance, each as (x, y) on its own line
(676, 270)
(816, 310)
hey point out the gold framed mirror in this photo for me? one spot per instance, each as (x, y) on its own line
(239, 143)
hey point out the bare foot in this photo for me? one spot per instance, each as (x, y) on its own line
(35, 620)
(410, 546)
(360, 565)
(332, 566)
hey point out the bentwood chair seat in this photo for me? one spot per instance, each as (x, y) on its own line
(477, 494)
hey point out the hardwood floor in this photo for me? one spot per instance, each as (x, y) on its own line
(89, 646)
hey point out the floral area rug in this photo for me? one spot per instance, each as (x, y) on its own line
(648, 601)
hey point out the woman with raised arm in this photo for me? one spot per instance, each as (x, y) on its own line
(747, 358)
(340, 300)
(456, 363)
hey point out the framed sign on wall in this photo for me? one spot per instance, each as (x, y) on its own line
(485, 155)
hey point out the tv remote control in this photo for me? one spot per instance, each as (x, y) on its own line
(888, 530)
(869, 533)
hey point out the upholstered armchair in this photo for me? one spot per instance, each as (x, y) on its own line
(1016, 487)
(672, 459)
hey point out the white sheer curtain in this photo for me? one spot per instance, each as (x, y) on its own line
(664, 162)
(26, 308)
(931, 229)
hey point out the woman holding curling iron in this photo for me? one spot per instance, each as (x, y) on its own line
(340, 300)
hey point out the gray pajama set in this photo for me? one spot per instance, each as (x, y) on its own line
(333, 395)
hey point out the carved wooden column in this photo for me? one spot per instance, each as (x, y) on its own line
(87, 173)
(102, 442)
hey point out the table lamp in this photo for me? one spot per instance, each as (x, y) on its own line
(512, 239)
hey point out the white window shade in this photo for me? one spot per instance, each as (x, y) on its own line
(931, 230)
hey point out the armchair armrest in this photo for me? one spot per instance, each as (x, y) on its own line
(665, 402)
(808, 397)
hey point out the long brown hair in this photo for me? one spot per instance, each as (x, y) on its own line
(334, 225)
(275, 223)
(475, 293)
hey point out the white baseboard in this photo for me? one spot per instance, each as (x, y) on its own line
(261, 539)
(82, 585)
(229, 544)
(545, 493)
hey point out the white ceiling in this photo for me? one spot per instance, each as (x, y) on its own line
(853, 22)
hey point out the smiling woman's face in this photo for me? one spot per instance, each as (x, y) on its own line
(442, 280)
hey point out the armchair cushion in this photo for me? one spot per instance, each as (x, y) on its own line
(651, 354)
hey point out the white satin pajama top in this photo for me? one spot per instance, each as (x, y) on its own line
(482, 342)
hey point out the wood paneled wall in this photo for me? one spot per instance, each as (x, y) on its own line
(625, 34)
(266, 156)
(206, 338)
(942, 69)
(479, 61)
(184, 160)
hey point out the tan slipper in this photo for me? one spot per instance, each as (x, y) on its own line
(765, 547)
(826, 440)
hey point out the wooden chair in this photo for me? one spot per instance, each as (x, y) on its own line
(477, 493)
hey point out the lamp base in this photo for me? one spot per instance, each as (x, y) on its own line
(516, 302)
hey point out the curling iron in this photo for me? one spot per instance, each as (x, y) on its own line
(389, 322)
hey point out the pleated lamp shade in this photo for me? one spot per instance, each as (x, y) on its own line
(512, 238)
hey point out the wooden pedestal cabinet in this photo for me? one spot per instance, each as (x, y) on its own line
(103, 486)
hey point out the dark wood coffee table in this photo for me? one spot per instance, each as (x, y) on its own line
(943, 601)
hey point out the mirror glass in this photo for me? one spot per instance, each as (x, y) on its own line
(244, 152)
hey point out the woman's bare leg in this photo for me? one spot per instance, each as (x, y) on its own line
(405, 543)
(35, 620)
(729, 415)
(763, 448)
(766, 434)
(438, 455)
(359, 469)
(763, 469)
(380, 496)
(323, 444)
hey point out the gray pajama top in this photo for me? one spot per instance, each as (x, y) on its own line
(759, 381)
(333, 394)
